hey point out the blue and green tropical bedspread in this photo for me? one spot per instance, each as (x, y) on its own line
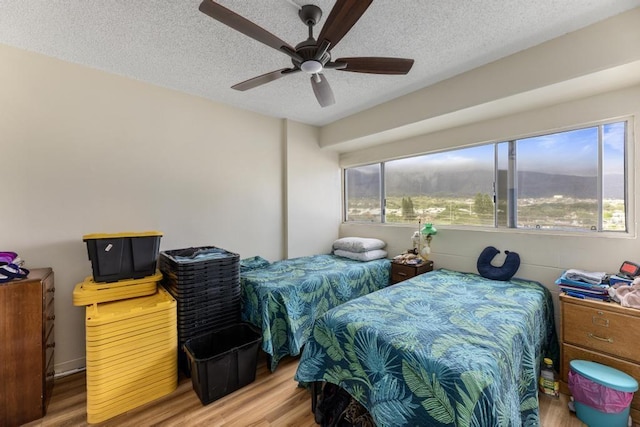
(284, 298)
(442, 349)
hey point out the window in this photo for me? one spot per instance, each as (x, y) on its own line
(363, 193)
(614, 200)
(453, 187)
(571, 180)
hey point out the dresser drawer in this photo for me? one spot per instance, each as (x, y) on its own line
(400, 272)
(605, 331)
(570, 352)
(49, 379)
(49, 312)
(50, 354)
(49, 290)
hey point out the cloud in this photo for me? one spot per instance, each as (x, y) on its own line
(613, 136)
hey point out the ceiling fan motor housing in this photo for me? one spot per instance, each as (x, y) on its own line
(307, 51)
(310, 14)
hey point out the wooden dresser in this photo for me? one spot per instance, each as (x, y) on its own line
(601, 332)
(26, 347)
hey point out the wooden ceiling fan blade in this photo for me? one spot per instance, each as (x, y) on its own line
(343, 16)
(246, 27)
(265, 78)
(376, 65)
(322, 90)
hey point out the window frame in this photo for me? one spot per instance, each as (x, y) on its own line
(628, 177)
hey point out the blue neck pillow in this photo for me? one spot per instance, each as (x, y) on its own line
(504, 272)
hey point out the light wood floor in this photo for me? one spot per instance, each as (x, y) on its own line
(274, 399)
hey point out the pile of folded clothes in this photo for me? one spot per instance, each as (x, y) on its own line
(11, 267)
(585, 284)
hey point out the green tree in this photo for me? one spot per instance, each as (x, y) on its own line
(408, 212)
(483, 204)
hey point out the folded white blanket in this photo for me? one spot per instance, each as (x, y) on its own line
(593, 277)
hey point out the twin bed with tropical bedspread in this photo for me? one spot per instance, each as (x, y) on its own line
(284, 298)
(444, 348)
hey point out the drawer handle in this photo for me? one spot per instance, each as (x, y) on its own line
(52, 345)
(600, 338)
(51, 317)
(600, 321)
(400, 273)
(50, 374)
(51, 290)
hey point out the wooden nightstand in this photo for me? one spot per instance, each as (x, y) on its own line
(400, 272)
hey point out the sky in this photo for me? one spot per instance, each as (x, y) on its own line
(570, 152)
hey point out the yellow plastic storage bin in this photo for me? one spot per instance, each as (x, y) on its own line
(148, 324)
(111, 314)
(131, 353)
(91, 292)
(142, 395)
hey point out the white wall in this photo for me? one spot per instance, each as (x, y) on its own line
(313, 193)
(89, 152)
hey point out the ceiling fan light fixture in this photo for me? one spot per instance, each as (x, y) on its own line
(311, 66)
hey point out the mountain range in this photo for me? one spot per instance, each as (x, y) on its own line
(442, 183)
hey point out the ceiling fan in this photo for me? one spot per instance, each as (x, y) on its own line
(311, 56)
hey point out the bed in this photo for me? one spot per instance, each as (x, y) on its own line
(283, 298)
(443, 348)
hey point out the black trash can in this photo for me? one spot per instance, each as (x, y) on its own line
(223, 361)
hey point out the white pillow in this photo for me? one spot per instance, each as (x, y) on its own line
(358, 244)
(362, 256)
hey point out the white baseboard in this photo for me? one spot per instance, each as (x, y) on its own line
(70, 367)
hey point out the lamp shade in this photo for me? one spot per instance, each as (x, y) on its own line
(429, 229)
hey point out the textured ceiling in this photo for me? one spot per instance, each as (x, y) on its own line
(172, 44)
